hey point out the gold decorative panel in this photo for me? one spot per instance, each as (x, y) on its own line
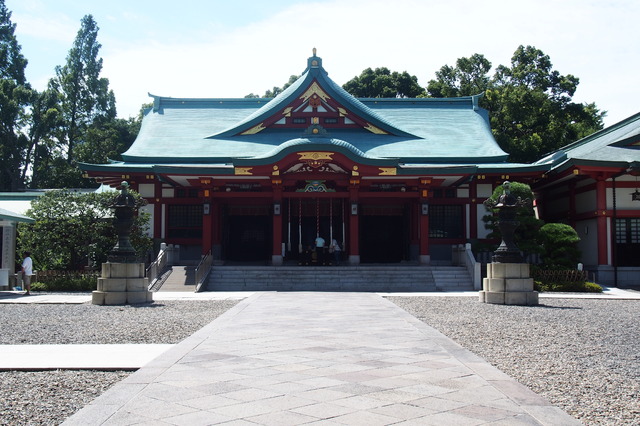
(252, 131)
(373, 129)
(315, 159)
(314, 89)
(246, 171)
(387, 171)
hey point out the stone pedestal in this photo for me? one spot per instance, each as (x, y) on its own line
(508, 284)
(122, 283)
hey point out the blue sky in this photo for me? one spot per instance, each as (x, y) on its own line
(231, 48)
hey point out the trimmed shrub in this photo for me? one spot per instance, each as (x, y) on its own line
(579, 287)
(560, 246)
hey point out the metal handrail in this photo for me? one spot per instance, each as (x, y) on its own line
(202, 270)
(158, 267)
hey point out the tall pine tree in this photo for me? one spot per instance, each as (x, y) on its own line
(15, 96)
(84, 101)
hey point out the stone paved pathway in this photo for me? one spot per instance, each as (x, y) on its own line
(329, 358)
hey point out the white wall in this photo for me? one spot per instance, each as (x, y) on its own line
(148, 209)
(588, 232)
(147, 190)
(586, 202)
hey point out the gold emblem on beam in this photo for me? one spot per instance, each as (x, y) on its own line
(373, 129)
(387, 171)
(287, 111)
(252, 131)
(314, 89)
(315, 159)
(245, 171)
(343, 112)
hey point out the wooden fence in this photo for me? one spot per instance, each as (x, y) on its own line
(48, 276)
(560, 276)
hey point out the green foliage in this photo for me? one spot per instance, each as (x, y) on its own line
(382, 83)
(579, 286)
(526, 233)
(469, 77)
(81, 283)
(276, 90)
(15, 96)
(560, 246)
(73, 230)
(85, 112)
(530, 104)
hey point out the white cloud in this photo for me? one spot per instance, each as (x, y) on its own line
(589, 39)
(55, 27)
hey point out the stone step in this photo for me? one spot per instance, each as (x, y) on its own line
(338, 278)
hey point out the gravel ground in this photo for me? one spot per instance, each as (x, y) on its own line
(49, 397)
(583, 355)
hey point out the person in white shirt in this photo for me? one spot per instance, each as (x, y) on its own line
(320, 250)
(27, 271)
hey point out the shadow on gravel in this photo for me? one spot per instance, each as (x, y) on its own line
(558, 307)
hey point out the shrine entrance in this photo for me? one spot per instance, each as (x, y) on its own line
(306, 218)
(384, 234)
(247, 234)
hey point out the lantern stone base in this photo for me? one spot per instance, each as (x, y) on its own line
(122, 283)
(508, 284)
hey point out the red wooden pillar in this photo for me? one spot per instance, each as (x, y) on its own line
(276, 252)
(473, 209)
(601, 212)
(207, 223)
(354, 223)
(572, 204)
(425, 257)
(157, 211)
(216, 236)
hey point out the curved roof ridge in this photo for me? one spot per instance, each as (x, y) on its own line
(315, 141)
(313, 71)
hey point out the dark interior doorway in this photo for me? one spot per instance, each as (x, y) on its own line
(383, 239)
(248, 238)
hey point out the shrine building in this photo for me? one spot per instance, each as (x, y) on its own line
(257, 180)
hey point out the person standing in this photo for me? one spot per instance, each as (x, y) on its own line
(335, 249)
(27, 271)
(320, 250)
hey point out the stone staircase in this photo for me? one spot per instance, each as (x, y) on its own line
(403, 278)
(181, 278)
(452, 278)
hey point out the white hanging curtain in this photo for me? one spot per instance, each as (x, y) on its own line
(300, 226)
(289, 228)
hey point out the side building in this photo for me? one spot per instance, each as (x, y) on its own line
(593, 185)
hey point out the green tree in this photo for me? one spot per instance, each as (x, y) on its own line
(75, 229)
(469, 77)
(560, 246)
(382, 83)
(44, 121)
(107, 140)
(84, 101)
(15, 97)
(527, 231)
(530, 104)
(276, 90)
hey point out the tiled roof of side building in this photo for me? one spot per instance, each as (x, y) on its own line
(615, 145)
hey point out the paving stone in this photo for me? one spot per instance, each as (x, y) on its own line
(334, 358)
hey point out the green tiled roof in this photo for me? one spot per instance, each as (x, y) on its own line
(206, 131)
(14, 217)
(613, 146)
